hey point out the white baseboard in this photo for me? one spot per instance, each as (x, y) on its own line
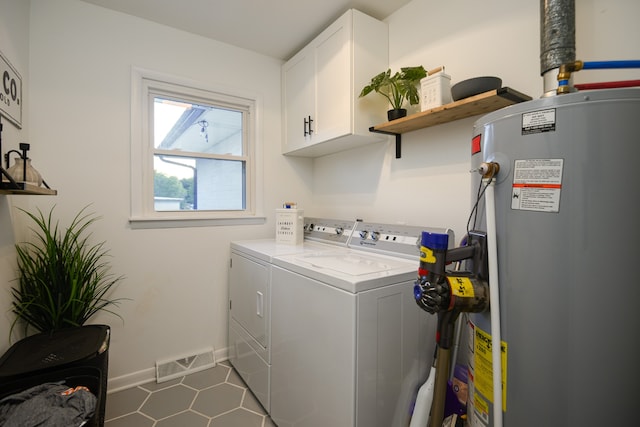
(134, 379)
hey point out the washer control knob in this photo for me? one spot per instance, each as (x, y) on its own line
(311, 227)
(375, 236)
(339, 231)
(364, 234)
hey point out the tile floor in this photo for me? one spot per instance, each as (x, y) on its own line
(215, 397)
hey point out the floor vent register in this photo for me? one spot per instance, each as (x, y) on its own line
(169, 369)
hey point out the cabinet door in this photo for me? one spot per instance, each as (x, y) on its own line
(333, 81)
(298, 94)
(249, 295)
(395, 342)
(323, 81)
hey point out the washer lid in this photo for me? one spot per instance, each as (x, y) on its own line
(351, 263)
(350, 270)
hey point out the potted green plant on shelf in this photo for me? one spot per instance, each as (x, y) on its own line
(63, 278)
(397, 88)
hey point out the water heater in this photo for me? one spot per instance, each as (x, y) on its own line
(567, 211)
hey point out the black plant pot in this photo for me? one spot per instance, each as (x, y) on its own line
(396, 113)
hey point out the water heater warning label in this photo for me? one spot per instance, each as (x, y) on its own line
(537, 184)
(481, 372)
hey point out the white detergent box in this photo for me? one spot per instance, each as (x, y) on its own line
(435, 91)
(289, 226)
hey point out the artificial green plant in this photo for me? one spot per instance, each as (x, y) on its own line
(63, 278)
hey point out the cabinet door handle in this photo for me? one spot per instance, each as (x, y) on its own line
(259, 304)
(305, 126)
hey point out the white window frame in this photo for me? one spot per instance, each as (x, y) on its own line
(143, 214)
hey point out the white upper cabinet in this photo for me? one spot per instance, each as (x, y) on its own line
(322, 112)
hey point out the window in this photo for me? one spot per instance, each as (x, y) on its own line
(193, 154)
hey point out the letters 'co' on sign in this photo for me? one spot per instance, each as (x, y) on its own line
(10, 92)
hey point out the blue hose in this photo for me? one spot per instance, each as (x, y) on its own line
(591, 65)
(566, 69)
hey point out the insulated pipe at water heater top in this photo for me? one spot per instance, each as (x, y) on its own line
(557, 33)
(557, 38)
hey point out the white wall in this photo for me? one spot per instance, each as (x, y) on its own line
(430, 184)
(76, 69)
(14, 44)
(81, 59)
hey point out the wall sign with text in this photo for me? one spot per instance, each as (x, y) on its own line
(10, 92)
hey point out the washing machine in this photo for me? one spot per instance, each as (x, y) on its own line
(250, 272)
(349, 346)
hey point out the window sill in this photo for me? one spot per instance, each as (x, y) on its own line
(151, 223)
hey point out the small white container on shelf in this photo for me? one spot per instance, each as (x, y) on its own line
(290, 225)
(435, 90)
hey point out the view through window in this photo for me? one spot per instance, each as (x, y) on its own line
(200, 155)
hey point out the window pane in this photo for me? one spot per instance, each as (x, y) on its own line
(183, 126)
(191, 183)
(173, 180)
(224, 182)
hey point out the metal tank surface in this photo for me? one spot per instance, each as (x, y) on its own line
(567, 209)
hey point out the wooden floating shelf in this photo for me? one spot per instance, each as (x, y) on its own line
(24, 188)
(479, 104)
